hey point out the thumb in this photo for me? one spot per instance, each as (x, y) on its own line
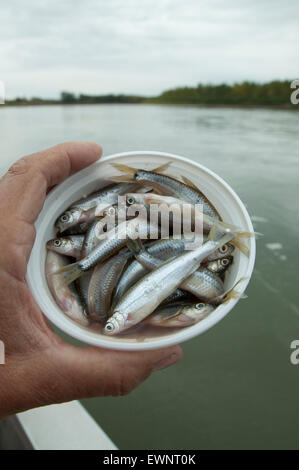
(88, 372)
(24, 187)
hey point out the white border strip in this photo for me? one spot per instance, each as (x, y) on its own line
(63, 427)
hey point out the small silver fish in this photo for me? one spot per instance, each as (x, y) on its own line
(223, 251)
(91, 239)
(90, 242)
(145, 296)
(68, 246)
(179, 315)
(163, 249)
(197, 219)
(219, 266)
(65, 296)
(114, 240)
(82, 285)
(102, 284)
(106, 196)
(86, 209)
(177, 295)
(80, 229)
(203, 283)
(168, 186)
(74, 216)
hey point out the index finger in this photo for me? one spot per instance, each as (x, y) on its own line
(24, 187)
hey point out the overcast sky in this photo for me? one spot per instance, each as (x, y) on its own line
(144, 46)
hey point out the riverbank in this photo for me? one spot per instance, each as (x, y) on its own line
(275, 95)
(286, 107)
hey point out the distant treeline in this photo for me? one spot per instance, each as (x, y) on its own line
(67, 97)
(275, 93)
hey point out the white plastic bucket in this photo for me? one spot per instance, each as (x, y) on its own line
(221, 195)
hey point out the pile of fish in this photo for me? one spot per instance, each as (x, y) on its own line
(120, 275)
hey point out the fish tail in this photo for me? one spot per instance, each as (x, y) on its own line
(222, 226)
(250, 234)
(232, 236)
(241, 246)
(231, 293)
(213, 233)
(124, 168)
(247, 234)
(161, 168)
(189, 182)
(130, 172)
(70, 272)
(127, 177)
(225, 228)
(122, 178)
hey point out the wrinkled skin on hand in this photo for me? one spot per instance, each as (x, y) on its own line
(40, 367)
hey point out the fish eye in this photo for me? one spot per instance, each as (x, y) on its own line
(224, 262)
(64, 218)
(130, 200)
(57, 242)
(200, 306)
(223, 249)
(109, 327)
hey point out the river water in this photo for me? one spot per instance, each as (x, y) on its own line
(236, 387)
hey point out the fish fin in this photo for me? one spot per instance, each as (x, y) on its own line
(122, 178)
(70, 272)
(225, 226)
(189, 182)
(241, 246)
(231, 293)
(232, 236)
(242, 234)
(213, 232)
(161, 168)
(222, 226)
(124, 168)
(127, 177)
(250, 234)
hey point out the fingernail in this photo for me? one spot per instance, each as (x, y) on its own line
(166, 362)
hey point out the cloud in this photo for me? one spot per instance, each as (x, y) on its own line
(143, 46)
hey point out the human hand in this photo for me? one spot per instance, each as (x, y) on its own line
(40, 367)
